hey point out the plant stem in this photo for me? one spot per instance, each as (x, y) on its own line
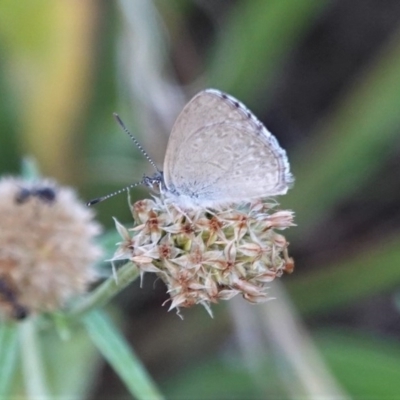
(106, 291)
(33, 369)
(8, 356)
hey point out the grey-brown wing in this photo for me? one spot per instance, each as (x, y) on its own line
(219, 150)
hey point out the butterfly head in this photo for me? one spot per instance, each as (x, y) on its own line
(155, 182)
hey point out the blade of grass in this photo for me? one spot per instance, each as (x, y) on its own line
(8, 357)
(32, 363)
(352, 144)
(120, 356)
(368, 366)
(255, 38)
(372, 271)
(72, 365)
(303, 372)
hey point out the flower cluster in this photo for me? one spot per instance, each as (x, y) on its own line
(46, 246)
(205, 256)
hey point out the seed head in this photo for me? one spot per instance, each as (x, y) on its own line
(46, 246)
(206, 256)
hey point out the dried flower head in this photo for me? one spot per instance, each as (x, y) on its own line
(205, 256)
(46, 246)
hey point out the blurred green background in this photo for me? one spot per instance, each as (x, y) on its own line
(324, 76)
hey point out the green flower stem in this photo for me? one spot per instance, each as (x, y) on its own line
(106, 291)
(120, 356)
(29, 169)
(8, 357)
(32, 363)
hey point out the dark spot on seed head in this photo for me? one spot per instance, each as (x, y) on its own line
(20, 312)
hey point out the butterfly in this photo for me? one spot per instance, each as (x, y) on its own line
(218, 153)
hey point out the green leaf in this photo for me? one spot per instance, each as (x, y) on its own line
(33, 367)
(120, 356)
(368, 368)
(254, 40)
(351, 146)
(370, 271)
(8, 357)
(71, 364)
(215, 379)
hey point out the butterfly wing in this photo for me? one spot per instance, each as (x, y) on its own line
(219, 152)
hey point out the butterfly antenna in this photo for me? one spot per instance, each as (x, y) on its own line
(138, 145)
(107, 196)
